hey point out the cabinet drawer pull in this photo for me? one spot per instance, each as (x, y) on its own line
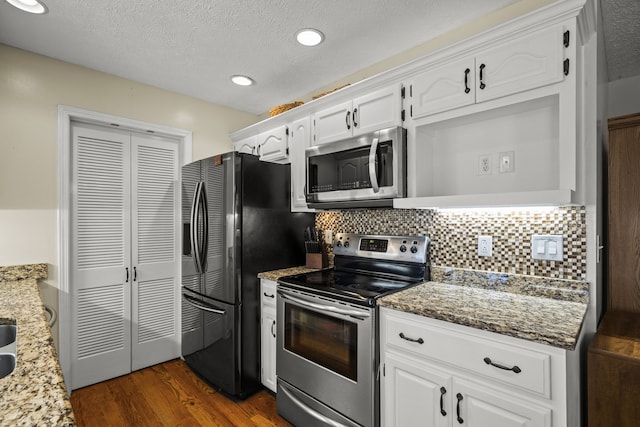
(515, 368)
(268, 295)
(459, 397)
(482, 85)
(404, 337)
(443, 391)
(467, 89)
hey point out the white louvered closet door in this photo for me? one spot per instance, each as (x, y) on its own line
(155, 228)
(124, 280)
(100, 255)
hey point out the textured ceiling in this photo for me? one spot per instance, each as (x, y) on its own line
(194, 46)
(622, 37)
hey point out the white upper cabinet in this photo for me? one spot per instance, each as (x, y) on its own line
(494, 120)
(376, 110)
(299, 140)
(246, 145)
(521, 64)
(443, 88)
(273, 145)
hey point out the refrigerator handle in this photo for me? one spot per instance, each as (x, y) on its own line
(195, 246)
(205, 244)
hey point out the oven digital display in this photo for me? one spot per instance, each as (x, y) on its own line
(374, 245)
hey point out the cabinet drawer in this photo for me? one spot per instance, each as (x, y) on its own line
(267, 292)
(490, 358)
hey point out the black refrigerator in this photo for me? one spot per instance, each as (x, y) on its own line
(236, 223)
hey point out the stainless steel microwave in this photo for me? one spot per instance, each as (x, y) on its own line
(364, 171)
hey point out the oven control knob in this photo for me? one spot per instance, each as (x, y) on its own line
(403, 248)
(339, 244)
(414, 249)
(346, 244)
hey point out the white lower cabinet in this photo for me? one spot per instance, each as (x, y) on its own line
(268, 334)
(440, 374)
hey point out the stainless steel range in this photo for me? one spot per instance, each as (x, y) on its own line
(327, 356)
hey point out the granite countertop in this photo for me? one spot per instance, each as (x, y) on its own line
(34, 393)
(275, 275)
(547, 311)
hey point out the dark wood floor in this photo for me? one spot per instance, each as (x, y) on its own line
(168, 394)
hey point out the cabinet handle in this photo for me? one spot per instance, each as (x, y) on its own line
(135, 274)
(273, 325)
(467, 89)
(348, 119)
(268, 296)
(355, 111)
(515, 368)
(404, 337)
(443, 391)
(127, 279)
(482, 85)
(459, 397)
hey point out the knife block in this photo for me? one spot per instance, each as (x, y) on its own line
(317, 260)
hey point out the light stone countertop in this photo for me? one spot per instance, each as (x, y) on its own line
(553, 319)
(34, 393)
(275, 275)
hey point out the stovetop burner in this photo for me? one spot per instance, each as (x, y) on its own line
(367, 268)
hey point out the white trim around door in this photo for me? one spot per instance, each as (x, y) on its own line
(66, 115)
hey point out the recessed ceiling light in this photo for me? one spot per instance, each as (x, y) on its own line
(309, 37)
(242, 80)
(31, 6)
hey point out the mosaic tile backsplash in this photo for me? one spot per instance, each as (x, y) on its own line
(454, 235)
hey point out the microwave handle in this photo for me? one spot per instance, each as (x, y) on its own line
(372, 165)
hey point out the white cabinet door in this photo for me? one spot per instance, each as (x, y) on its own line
(444, 88)
(155, 239)
(247, 145)
(377, 110)
(414, 394)
(100, 272)
(521, 64)
(299, 140)
(273, 145)
(268, 349)
(479, 407)
(268, 334)
(332, 124)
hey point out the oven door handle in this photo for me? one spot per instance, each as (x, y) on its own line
(373, 176)
(353, 313)
(315, 414)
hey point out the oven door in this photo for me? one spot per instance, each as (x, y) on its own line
(326, 350)
(370, 167)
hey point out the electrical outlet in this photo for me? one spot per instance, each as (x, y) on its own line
(484, 164)
(485, 245)
(507, 161)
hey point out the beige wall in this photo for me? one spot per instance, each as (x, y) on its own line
(31, 87)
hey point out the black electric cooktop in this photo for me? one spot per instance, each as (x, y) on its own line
(362, 289)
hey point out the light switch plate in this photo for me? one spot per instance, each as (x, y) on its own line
(544, 245)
